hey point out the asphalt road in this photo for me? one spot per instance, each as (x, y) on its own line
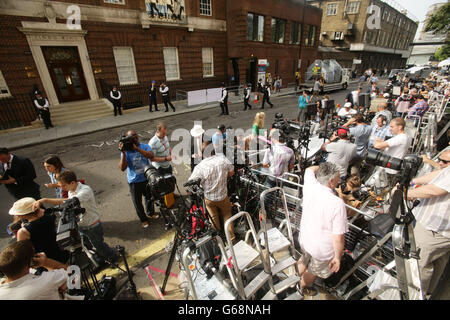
(95, 158)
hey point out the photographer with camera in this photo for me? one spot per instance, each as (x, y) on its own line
(279, 158)
(382, 110)
(340, 150)
(361, 132)
(15, 263)
(396, 147)
(213, 172)
(432, 229)
(323, 225)
(134, 159)
(89, 223)
(379, 131)
(38, 226)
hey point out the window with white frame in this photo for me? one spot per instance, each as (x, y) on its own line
(4, 90)
(126, 69)
(114, 1)
(353, 7)
(208, 62)
(171, 63)
(332, 9)
(338, 35)
(205, 7)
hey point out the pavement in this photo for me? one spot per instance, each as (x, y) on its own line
(28, 136)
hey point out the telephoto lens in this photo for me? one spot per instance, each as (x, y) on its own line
(378, 158)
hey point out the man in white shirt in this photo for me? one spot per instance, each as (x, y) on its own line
(323, 225)
(43, 107)
(116, 99)
(20, 284)
(213, 172)
(396, 147)
(347, 110)
(89, 224)
(432, 229)
(340, 152)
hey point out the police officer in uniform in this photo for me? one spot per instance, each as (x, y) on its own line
(165, 96)
(152, 96)
(116, 100)
(247, 91)
(266, 97)
(224, 101)
(43, 107)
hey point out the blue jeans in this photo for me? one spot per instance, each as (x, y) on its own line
(95, 236)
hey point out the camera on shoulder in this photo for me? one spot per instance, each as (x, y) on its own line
(127, 143)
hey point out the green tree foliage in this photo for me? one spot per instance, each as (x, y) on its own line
(439, 22)
(443, 52)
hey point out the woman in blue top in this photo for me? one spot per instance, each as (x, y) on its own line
(54, 167)
(302, 102)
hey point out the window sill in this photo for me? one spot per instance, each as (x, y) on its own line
(175, 79)
(129, 84)
(212, 76)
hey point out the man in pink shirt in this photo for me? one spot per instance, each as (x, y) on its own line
(323, 225)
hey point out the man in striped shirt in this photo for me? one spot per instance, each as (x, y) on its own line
(213, 172)
(432, 230)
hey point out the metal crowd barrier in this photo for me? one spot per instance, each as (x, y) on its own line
(369, 252)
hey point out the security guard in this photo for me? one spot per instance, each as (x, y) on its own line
(247, 91)
(165, 96)
(224, 101)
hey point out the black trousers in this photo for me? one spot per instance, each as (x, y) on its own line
(266, 99)
(167, 102)
(246, 104)
(224, 107)
(117, 108)
(31, 189)
(138, 190)
(45, 115)
(152, 102)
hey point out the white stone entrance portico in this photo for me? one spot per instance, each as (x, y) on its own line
(57, 34)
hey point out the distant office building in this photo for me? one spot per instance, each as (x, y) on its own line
(426, 45)
(365, 33)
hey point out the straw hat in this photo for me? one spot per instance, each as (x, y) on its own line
(22, 207)
(197, 130)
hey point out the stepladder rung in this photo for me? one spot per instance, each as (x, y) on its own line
(256, 283)
(295, 296)
(277, 241)
(286, 283)
(245, 254)
(270, 296)
(283, 264)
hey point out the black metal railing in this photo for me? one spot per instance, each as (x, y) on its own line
(16, 112)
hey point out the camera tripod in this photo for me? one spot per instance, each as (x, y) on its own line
(181, 235)
(406, 254)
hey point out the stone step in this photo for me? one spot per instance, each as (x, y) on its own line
(79, 107)
(66, 121)
(81, 113)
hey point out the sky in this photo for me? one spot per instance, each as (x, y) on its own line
(418, 8)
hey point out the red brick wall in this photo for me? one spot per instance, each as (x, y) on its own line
(15, 58)
(286, 54)
(148, 46)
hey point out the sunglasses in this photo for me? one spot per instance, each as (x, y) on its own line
(444, 161)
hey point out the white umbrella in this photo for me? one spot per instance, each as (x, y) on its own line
(444, 63)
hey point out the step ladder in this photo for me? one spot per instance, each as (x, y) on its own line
(241, 258)
(200, 287)
(274, 241)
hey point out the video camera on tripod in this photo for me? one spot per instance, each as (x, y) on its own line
(68, 236)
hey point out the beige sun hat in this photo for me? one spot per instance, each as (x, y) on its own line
(22, 207)
(197, 130)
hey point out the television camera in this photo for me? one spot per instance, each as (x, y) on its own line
(68, 237)
(127, 142)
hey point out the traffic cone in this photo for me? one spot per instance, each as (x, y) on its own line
(256, 99)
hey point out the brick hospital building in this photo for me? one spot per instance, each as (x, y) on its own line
(190, 44)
